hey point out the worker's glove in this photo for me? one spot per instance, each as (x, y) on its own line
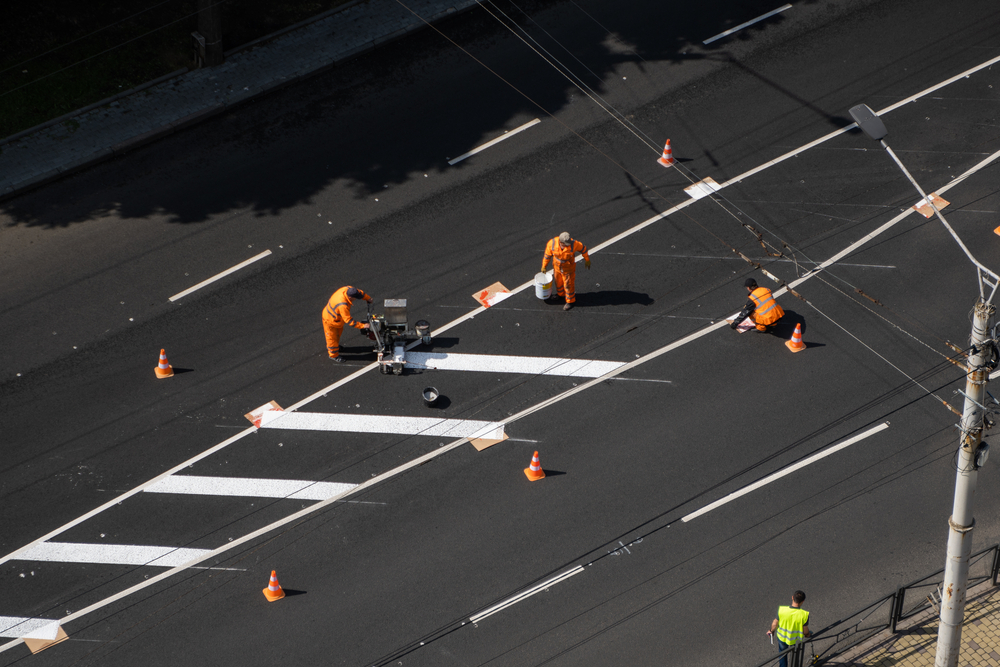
(543, 268)
(366, 327)
(587, 262)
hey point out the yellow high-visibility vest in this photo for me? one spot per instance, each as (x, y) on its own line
(790, 623)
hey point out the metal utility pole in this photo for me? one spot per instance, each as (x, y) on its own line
(972, 452)
(961, 522)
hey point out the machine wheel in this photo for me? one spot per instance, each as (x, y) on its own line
(383, 369)
(397, 369)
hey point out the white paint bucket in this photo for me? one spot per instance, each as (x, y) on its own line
(543, 285)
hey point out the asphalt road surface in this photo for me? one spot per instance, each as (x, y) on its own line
(147, 514)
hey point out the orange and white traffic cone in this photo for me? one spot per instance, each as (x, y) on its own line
(273, 591)
(796, 344)
(667, 158)
(534, 472)
(164, 369)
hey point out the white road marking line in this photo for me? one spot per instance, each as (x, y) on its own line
(489, 363)
(292, 489)
(785, 471)
(526, 594)
(748, 23)
(110, 554)
(348, 423)
(738, 259)
(32, 628)
(225, 273)
(505, 135)
(442, 450)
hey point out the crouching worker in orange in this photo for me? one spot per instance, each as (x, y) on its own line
(337, 314)
(562, 252)
(761, 307)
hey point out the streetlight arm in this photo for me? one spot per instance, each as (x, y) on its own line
(937, 212)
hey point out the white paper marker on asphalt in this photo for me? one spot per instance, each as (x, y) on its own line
(220, 275)
(28, 628)
(110, 554)
(347, 423)
(505, 135)
(748, 23)
(785, 471)
(292, 489)
(489, 363)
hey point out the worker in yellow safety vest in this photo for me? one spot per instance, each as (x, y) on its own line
(791, 626)
(760, 307)
(562, 252)
(337, 315)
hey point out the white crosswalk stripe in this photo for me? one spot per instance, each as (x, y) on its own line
(110, 554)
(431, 426)
(293, 489)
(489, 363)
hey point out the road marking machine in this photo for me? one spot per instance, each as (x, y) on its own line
(391, 331)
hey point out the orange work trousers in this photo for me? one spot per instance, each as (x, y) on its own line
(566, 284)
(333, 333)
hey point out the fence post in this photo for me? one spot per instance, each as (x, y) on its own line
(798, 651)
(995, 570)
(897, 608)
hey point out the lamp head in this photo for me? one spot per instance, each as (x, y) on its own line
(869, 122)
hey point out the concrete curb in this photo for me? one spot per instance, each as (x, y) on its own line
(151, 136)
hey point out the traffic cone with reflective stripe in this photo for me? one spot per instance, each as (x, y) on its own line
(534, 472)
(796, 344)
(667, 158)
(164, 370)
(273, 591)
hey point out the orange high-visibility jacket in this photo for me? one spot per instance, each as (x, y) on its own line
(767, 310)
(338, 309)
(563, 257)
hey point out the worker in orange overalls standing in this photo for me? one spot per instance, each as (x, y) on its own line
(562, 251)
(761, 307)
(337, 314)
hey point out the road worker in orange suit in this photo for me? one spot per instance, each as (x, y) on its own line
(337, 314)
(761, 307)
(562, 252)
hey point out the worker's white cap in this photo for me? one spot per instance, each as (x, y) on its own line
(564, 238)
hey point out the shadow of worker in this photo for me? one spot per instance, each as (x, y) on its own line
(612, 298)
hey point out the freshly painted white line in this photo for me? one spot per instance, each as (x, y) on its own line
(488, 363)
(347, 423)
(442, 450)
(523, 595)
(220, 275)
(740, 259)
(30, 628)
(748, 23)
(293, 489)
(505, 135)
(785, 471)
(110, 554)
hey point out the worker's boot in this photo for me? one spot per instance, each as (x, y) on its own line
(567, 306)
(337, 360)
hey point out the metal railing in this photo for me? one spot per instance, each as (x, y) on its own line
(885, 614)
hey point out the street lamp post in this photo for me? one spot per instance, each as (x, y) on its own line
(972, 451)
